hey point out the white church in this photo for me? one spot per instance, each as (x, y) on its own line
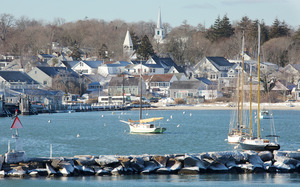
(159, 36)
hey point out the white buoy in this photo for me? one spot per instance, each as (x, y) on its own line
(49, 121)
(102, 115)
(178, 125)
(190, 114)
(237, 146)
(147, 114)
(183, 112)
(171, 116)
(104, 124)
(78, 135)
(167, 119)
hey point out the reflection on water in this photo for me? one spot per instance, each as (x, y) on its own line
(260, 179)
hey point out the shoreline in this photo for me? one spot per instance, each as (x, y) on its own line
(228, 106)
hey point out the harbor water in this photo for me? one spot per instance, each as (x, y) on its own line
(102, 133)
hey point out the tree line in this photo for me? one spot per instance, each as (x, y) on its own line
(186, 44)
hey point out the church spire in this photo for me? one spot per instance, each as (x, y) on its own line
(127, 45)
(127, 41)
(159, 20)
(159, 34)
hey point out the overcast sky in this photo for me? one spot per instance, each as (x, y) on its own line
(173, 12)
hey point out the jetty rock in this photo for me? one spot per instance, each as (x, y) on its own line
(196, 163)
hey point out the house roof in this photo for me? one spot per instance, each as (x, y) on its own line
(296, 66)
(94, 78)
(153, 65)
(161, 78)
(128, 81)
(185, 85)
(16, 76)
(279, 87)
(112, 65)
(167, 63)
(40, 92)
(204, 80)
(124, 63)
(220, 61)
(93, 64)
(139, 61)
(53, 71)
(70, 64)
(46, 56)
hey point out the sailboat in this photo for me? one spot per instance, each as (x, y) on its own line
(257, 143)
(144, 126)
(236, 126)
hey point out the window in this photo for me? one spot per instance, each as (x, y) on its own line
(153, 70)
(157, 32)
(45, 82)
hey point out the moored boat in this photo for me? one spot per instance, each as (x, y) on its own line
(236, 130)
(144, 126)
(257, 143)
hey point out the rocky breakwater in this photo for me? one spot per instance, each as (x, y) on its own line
(210, 162)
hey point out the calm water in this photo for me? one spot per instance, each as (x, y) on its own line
(101, 133)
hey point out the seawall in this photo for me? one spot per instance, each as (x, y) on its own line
(181, 164)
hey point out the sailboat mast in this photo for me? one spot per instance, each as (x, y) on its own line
(250, 100)
(258, 78)
(141, 88)
(238, 102)
(242, 84)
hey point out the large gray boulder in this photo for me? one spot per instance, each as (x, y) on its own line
(137, 164)
(150, 167)
(160, 160)
(85, 160)
(50, 170)
(107, 160)
(265, 156)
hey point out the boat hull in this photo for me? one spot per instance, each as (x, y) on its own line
(259, 145)
(139, 130)
(235, 139)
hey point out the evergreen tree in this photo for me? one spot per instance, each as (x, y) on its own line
(220, 29)
(296, 37)
(226, 28)
(103, 52)
(75, 52)
(145, 49)
(279, 29)
(135, 40)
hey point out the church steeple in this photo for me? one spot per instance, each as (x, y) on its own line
(159, 21)
(127, 45)
(159, 34)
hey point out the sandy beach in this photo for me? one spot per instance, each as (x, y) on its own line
(229, 106)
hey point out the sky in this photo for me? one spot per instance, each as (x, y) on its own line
(174, 12)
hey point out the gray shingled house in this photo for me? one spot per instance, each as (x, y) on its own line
(194, 89)
(131, 85)
(45, 75)
(212, 68)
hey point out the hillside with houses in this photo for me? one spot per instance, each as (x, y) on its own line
(64, 76)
